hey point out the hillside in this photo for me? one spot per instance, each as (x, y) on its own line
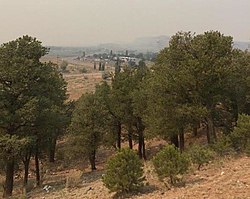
(143, 44)
(222, 179)
(140, 108)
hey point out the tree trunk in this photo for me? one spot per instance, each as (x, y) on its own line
(52, 149)
(211, 135)
(140, 145)
(181, 136)
(92, 160)
(141, 142)
(26, 162)
(144, 149)
(26, 172)
(195, 129)
(174, 140)
(214, 133)
(38, 179)
(119, 134)
(130, 139)
(9, 179)
(235, 110)
(208, 135)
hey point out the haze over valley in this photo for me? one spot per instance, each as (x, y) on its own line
(120, 99)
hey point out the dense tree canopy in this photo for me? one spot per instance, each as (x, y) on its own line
(192, 78)
(29, 90)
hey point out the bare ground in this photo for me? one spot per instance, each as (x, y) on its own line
(222, 179)
(79, 83)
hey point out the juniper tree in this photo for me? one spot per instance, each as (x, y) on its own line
(124, 172)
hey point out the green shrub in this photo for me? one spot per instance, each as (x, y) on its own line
(124, 172)
(64, 65)
(83, 70)
(200, 155)
(240, 137)
(247, 149)
(223, 146)
(170, 162)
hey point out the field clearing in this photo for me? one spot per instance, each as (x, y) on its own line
(78, 82)
(81, 83)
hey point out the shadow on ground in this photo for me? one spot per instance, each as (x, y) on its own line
(92, 176)
(143, 191)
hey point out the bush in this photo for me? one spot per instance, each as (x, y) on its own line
(124, 172)
(200, 155)
(223, 146)
(64, 65)
(83, 70)
(170, 162)
(247, 149)
(240, 137)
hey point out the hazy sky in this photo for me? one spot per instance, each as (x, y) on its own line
(87, 22)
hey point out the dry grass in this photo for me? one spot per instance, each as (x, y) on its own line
(79, 83)
(82, 83)
(226, 178)
(73, 180)
(230, 180)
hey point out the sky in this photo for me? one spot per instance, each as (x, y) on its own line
(91, 22)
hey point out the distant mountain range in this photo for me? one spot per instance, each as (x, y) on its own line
(155, 44)
(144, 44)
(242, 45)
(151, 44)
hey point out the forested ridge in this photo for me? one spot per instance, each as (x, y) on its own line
(200, 83)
